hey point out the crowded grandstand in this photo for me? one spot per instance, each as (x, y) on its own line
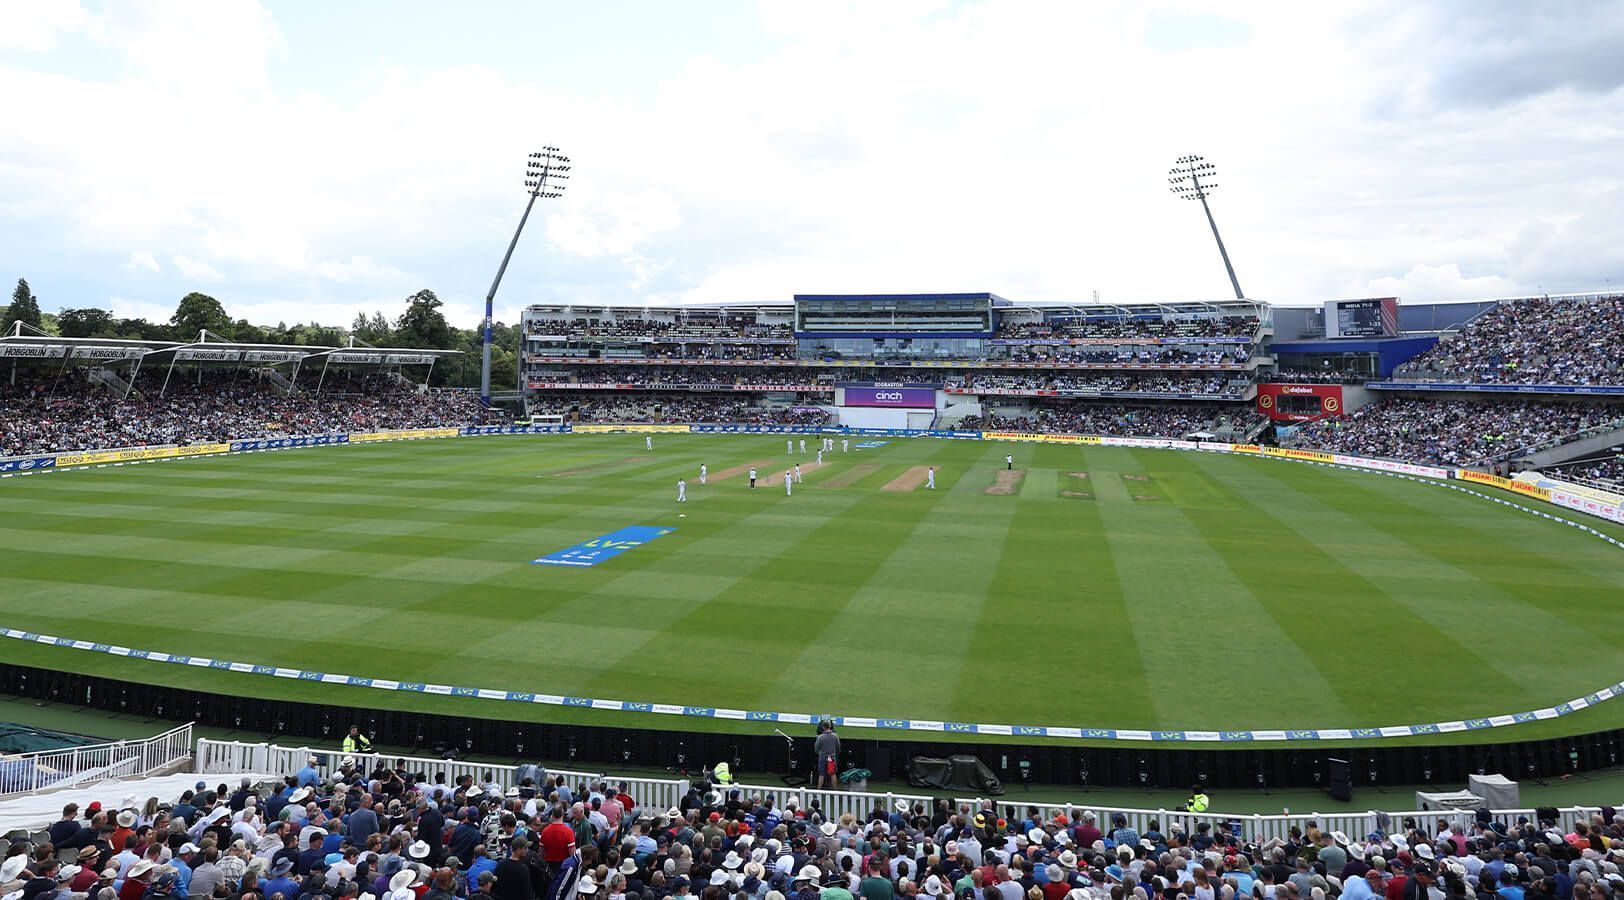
(1505, 385)
(388, 832)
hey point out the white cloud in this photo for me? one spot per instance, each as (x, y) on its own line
(1444, 282)
(144, 261)
(196, 270)
(1005, 145)
(33, 25)
(614, 225)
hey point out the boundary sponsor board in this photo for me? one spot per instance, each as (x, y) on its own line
(1309, 455)
(366, 437)
(1504, 484)
(1035, 438)
(138, 453)
(27, 463)
(630, 429)
(314, 440)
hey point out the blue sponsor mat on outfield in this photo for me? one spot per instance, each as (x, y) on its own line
(871, 445)
(608, 546)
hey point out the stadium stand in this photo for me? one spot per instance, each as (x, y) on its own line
(44, 412)
(1454, 431)
(1609, 472)
(1114, 419)
(1151, 370)
(608, 407)
(389, 832)
(1569, 341)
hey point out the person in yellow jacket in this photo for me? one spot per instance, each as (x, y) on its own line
(1199, 801)
(356, 742)
(722, 773)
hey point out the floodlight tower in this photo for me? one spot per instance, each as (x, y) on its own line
(1192, 178)
(546, 174)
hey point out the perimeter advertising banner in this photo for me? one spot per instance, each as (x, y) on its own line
(138, 453)
(370, 436)
(26, 463)
(891, 397)
(1270, 397)
(630, 429)
(1035, 438)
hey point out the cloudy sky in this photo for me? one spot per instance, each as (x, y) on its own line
(305, 160)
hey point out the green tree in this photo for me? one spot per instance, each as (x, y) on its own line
(140, 330)
(89, 322)
(373, 329)
(24, 308)
(250, 334)
(422, 324)
(197, 312)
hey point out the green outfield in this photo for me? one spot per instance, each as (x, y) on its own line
(1096, 587)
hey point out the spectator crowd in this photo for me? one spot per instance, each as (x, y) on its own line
(1128, 355)
(1113, 419)
(582, 406)
(1577, 341)
(1126, 328)
(1454, 432)
(1139, 382)
(1610, 471)
(714, 377)
(728, 327)
(387, 833)
(42, 413)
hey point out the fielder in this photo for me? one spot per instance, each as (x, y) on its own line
(930, 478)
(803, 445)
(844, 442)
(797, 473)
(648, 442)
(682, 490)
(703, 473)
(752, 478)
(789, 483)
(789, 446)
(820, 456)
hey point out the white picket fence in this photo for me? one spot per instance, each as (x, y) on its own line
(655, 794)
(1356, 825)
(227, 757)
(833, 803)
(26, 773)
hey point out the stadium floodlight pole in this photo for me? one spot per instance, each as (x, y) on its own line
(546, 174)
(1192, 178)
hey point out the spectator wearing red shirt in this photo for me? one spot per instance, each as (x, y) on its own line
(1086, 832)
(557, 839)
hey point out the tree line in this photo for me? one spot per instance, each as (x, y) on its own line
(421, 325)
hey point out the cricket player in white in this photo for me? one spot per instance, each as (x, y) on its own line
(789, 483)
(820, 456)
(797, 473)
(703, 472)
(803, 445)
(930, 478)
(648, 442)
(682, 490)
(843, 443)
(789, 446)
